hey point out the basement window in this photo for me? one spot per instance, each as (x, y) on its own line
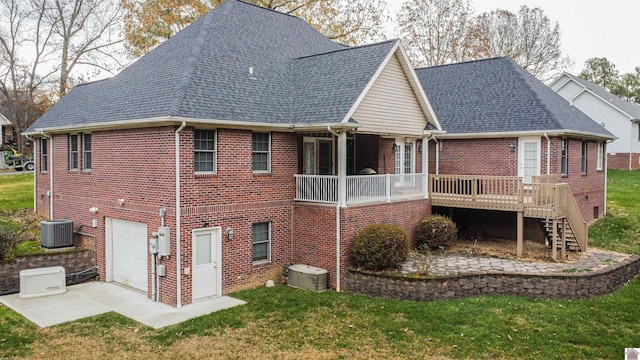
(261, 242)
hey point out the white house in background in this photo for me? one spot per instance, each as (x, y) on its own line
(6, 131)
(620, 117)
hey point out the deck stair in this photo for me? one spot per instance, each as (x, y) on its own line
(571, 243)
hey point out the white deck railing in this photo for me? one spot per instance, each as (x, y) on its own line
(361, 189)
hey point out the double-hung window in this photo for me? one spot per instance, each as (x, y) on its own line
(261, 149)
(204, 151)
(583, 159)
(261, 234)
(73, 152)
(600, 156)
(44, 155)
(86, 152)
(565, 157)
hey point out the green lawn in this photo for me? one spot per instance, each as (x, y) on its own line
(16, 192)
(620, 229)
(285, 323)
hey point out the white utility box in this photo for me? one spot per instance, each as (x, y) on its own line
(42, 282)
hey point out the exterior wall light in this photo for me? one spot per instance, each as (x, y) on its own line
(512, 147)
(230, 234)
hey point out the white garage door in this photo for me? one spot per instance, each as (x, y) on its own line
(129, 241)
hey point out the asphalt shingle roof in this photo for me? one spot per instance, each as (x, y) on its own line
(496, 95)
(299, 76)
(630, 108)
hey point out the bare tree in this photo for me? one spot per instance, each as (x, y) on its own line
(435, 31)
(25, 71)
(87, 32)
(149, 22)
(528, 38)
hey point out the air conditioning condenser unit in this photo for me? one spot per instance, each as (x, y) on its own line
(56, 234)
(307, 277)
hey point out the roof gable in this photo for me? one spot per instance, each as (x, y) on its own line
(390, 104)
(498, 96)
(629, 109)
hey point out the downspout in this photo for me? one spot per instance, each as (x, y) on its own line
(631, 146)
(178, 215)
(50, 171)
(606, 176)
(338, 238)
(35, 174)
(546, 136)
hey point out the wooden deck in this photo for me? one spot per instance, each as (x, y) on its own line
(544, 198)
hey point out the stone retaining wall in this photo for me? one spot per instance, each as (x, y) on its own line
(73, 261)
(553, 286)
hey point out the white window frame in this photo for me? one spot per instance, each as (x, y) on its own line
(268, 242)
(214, 152)
(44, 155)
(268, 152)
(600, 156)
(564, 160)
(584, 153)
(86, 153)
(401, 162)
(74, 153)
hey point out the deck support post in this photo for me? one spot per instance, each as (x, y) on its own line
(554, 241)
(563, 239)
(520, 234)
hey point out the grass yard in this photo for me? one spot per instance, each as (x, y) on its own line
(285, 323)
(16, 192)
(620, 229)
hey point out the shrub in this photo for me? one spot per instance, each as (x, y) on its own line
(435, 231)
(9, 239)
(380, 247)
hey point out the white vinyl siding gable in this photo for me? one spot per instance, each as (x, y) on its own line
(616, 122)
(391, 103)
(569, 90)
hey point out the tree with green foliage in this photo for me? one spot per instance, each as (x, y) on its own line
(600, 71)
(150, 22)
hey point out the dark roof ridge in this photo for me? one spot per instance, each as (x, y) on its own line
(461, 63)
(347, 48)
(174, 108)
(535, 94)
(92, 82)
(265, 8)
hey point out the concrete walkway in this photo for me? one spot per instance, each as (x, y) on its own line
(458, 264)
(94, 298)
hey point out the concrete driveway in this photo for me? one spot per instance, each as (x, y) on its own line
(94, 298)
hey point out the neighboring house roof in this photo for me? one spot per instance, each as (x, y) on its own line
(630, 109)
(497, 96)
(4, 121)
(239, 63)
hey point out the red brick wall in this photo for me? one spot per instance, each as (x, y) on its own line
(139, 166)
(476, 157)
(314, 229)
(621, 161)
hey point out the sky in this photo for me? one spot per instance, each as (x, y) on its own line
(589, 28)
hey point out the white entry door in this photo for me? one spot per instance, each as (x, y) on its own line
(127, 253)
(528, 158)
(207, 280)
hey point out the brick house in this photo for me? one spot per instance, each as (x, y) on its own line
(620, 117)
(502, 121)
(244, 138)
(242, 134)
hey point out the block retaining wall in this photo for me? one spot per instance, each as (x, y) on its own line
(551, 286)
(73, 261)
